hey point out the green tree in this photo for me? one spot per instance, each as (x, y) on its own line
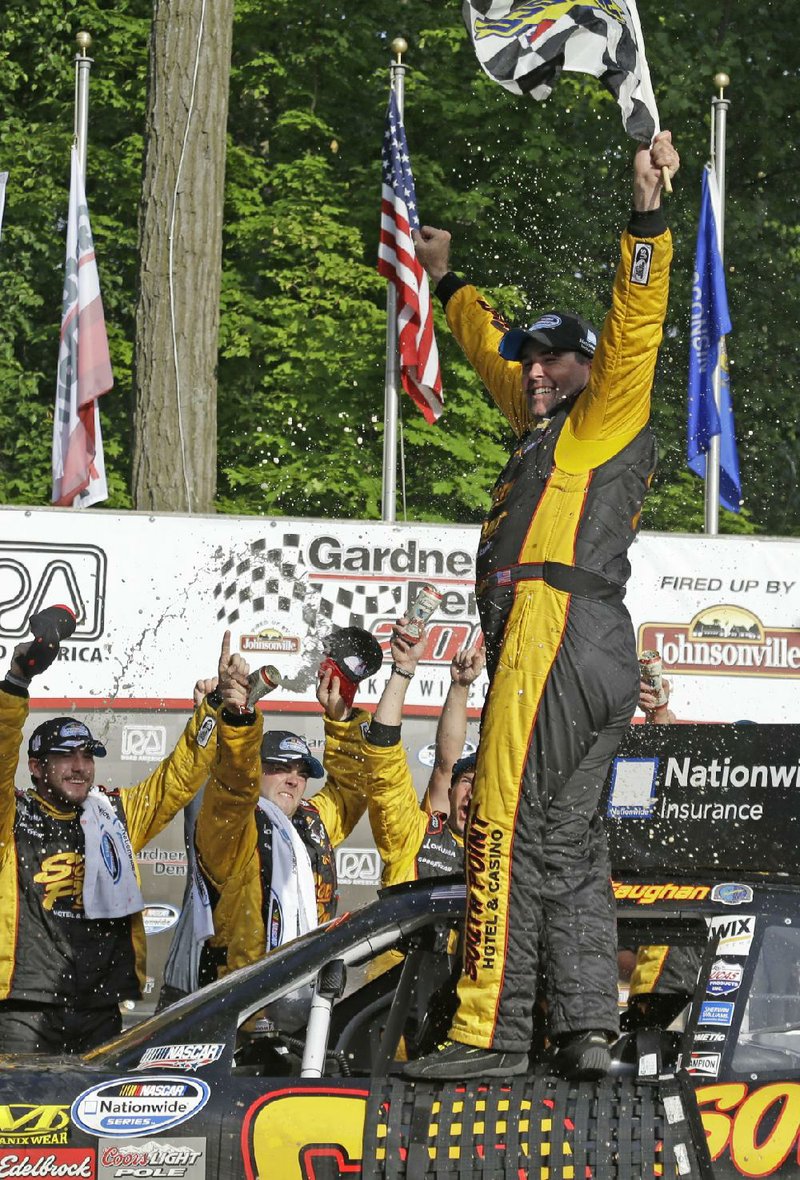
(535, 195)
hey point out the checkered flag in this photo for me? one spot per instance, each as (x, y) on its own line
(353, 606)
(270, 580)
(525, 44)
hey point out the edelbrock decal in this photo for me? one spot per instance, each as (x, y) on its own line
(138, 1105)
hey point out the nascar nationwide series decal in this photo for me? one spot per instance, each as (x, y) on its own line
(138, 1105)
(47, 1163)
(22, 1122)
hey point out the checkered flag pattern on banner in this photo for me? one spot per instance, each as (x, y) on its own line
(353, 606)
(275, 581)
(270, 580)
(525, 44)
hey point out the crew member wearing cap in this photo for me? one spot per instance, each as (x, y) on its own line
(551, 569)
(72, 942)
(266, 853)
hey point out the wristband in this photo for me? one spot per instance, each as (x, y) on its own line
(19, 681)
(402, 672)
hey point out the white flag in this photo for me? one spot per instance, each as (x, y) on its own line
(84, 366)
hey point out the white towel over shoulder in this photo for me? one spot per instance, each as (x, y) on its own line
(111, 884)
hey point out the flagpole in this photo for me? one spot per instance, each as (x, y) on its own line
(391, 388)
(719, 105)
(83, 65)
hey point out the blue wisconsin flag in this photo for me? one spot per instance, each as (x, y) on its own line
(711, 322)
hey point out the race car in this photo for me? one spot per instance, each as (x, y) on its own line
(292, 1067)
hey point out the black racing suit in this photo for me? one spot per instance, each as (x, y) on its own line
(561, 655)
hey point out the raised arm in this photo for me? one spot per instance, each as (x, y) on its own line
(476, 325)
(14, 704)
(451, 731)
(151, 804)
(616, 404)
(342, 801)
(226, 834)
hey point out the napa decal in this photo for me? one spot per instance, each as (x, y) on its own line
(139, 1105)
(28, 1123)
(287, 1133)
(532, 17)
(756, 1129)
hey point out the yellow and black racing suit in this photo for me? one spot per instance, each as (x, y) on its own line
(561, 657)
(51, 954)
(233, 837)
(413, 843)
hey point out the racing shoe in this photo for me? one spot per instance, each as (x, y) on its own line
(582, 1056)
(453, 1061)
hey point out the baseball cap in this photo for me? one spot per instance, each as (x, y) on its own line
(557, 329)
(62, 735)
(355, 652)
(278, 745)
(462, 766)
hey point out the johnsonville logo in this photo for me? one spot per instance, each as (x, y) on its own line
(271, 641)
(724, 640)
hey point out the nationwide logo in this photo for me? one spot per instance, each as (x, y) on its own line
(138, 1106)
(724, 640)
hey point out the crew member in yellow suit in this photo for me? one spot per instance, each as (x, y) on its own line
(551, 570)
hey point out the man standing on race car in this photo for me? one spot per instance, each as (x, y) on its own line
(552, 566)
(72, 942)
(266, 854)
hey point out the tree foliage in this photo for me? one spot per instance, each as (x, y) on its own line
(535, 195)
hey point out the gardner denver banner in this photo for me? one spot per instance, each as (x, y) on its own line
(154, 593)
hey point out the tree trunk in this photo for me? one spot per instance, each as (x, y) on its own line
(180, 241)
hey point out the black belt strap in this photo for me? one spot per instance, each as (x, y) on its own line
(568, 578)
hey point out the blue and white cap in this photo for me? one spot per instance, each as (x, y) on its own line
(278, 745)
(62, 735)
(558, 330)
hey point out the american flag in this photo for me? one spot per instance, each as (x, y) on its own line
(397, 261)
(84, 367)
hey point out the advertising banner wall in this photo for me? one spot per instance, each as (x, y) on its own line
(154, 594)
